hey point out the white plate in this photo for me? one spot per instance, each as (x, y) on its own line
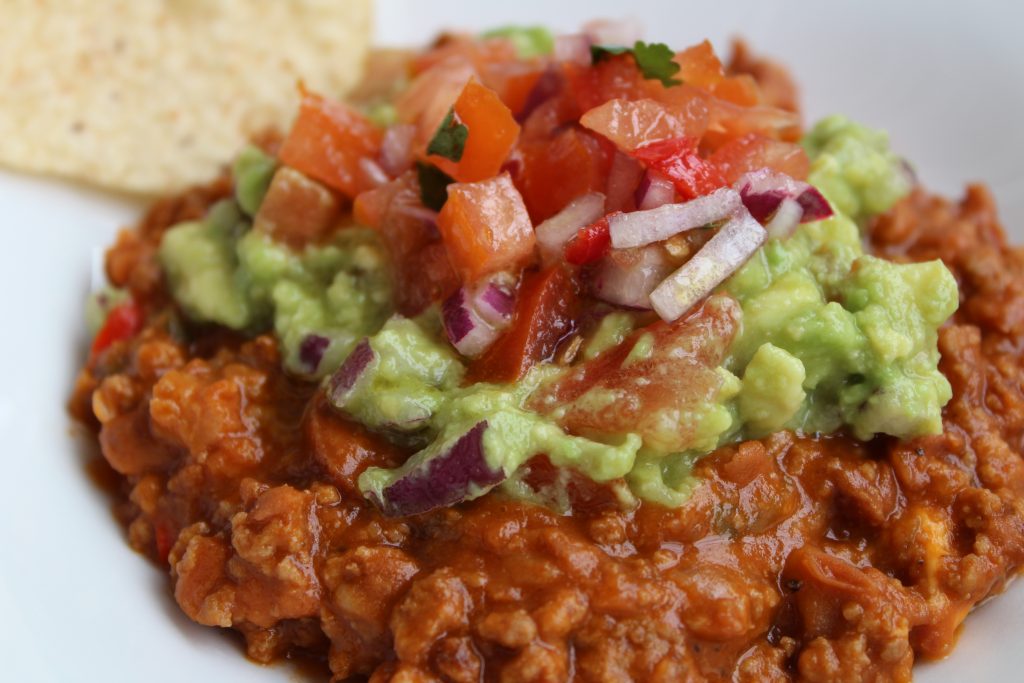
(77, 604)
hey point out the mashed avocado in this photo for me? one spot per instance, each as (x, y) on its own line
(412, 385)
(830, 336)
(221, 271)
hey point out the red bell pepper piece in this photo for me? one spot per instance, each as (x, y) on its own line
(677, 159)
(123, 322)
(591, 243)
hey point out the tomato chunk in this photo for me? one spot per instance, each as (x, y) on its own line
(631, 124)
(423, 272)
(677, 159)
(616, 77)
(699, 65)
(492, 133)
(546, 309)
(123, 322)
(327, 141)
(754, 151)
(556, 171)
(486, 228)
(676, 376)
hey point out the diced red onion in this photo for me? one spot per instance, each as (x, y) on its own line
(623, 178)
(638, 228)
(553, 233)
(443, 479)
(655, 190)
(623, 32)
(814, 205)
(787, 217)
(764, 191)
(466, 330)
(311, 351)
(345, 378)
(396, 149)
(627, 278)
(574, 48)
(730, 248)
(494, 302)
(372, 172)
(547, 86)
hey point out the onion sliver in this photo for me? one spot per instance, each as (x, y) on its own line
(787, 217)
(345, 378)
(764, 191)
(432, 480)
(724, 253)
(466, 330)
(627, 278)
(655, 190)
(553, 233)
(638, 228)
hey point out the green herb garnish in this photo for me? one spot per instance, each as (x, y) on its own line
(653, 59)
(433, 185)
(450, 139)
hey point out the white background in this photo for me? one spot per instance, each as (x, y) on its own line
(76, 604)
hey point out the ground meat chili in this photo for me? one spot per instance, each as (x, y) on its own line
(818, 558)
(798, 556)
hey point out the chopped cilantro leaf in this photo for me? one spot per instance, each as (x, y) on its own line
(433, 185)
(530, 41)
(653, 59)
(450, 139)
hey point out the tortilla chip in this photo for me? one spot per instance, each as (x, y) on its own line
(153, 95)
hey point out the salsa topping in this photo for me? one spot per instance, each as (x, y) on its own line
(472, 248)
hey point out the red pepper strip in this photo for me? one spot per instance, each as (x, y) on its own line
(123, 322)
(677, 159)
(591, 243)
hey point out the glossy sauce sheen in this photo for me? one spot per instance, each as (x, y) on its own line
(816, 559)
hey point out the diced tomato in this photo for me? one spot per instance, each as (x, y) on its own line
(630, 124)
(513, 82)
(753, 151)
(486, 228)
(677, 159)
(123, 322)
(546, 310)
(728, 121)
(676, 377)
(742, 90)
(370, 207)
(556, 171)
(430, 96)
(297, 210)
(423, 274)
(612, 78)
(699, 65)
(590, 244)
(327, 141)
(492, 133)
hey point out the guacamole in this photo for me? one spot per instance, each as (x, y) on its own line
(222, 271)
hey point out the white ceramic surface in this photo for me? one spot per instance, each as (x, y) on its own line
(77, 604)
